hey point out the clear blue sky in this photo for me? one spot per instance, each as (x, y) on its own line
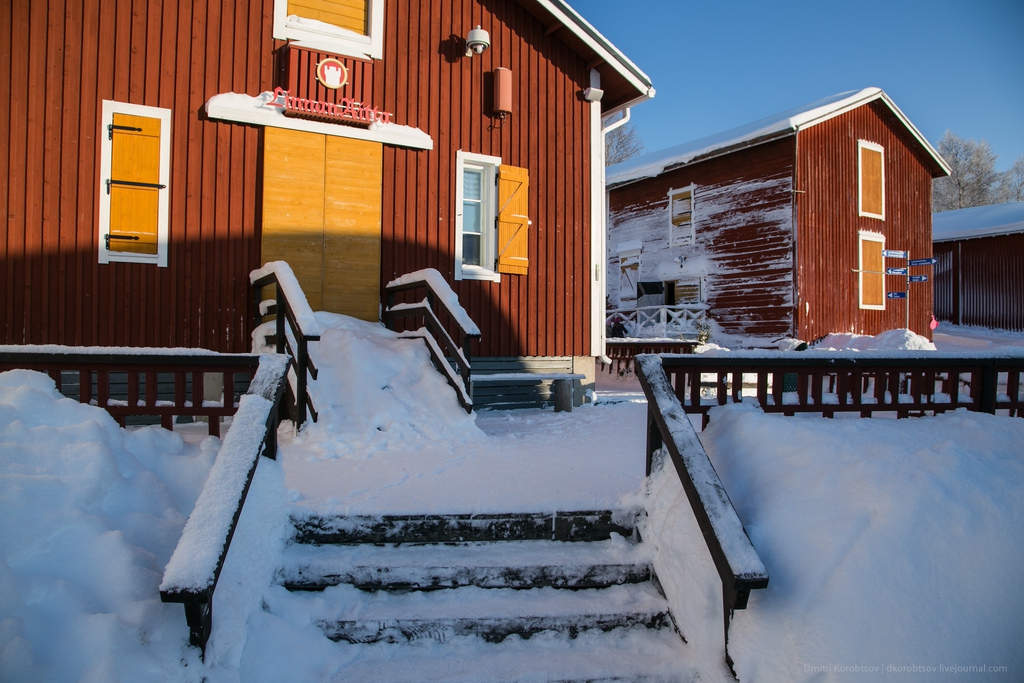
(948, 64)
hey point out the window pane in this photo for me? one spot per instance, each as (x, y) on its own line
(471, 217)
(472, 184)
(471, 249)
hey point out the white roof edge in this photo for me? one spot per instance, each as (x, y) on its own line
(990, 220)
(757, 132)
(586, 32)
(868, 95)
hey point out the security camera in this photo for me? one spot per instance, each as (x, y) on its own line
(477, 41)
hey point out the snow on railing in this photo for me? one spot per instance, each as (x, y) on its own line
(739, 566)
(443, 349)
(192, 573)
(296, 327)
(658, 321)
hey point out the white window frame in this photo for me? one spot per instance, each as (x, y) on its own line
(862, 237)
(110, 108)
(682, 236)
(875, 147)
(488, 249)
(316, 35)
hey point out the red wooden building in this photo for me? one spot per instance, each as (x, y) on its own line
(155, 153)
(979, 277)
(783, 227)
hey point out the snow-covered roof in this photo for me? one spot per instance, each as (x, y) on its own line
(763, 130)
(978, 221)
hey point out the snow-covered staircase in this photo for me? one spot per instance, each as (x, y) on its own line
(568, 597)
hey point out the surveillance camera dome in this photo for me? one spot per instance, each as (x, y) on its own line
(478, 40)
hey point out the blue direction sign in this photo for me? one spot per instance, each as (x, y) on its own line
(895, 271)
(923, 261)
(896, 295)
(918, 278)
(889, 253)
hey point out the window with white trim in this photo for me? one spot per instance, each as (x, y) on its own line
(135, 163)
(871, 271)
(347, 27)
(680, 213)
(870, 180)
(492, 223)
(474, 220)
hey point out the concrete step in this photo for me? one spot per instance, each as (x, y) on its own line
(587, 525)
(510, 564)
(344, 613)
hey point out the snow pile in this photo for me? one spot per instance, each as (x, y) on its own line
(892, 340)
(89, 516)
(888, 543)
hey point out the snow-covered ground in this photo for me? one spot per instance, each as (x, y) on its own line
(894, 547)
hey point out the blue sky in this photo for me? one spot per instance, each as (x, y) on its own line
(956, 65)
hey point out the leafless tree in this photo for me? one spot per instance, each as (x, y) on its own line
(621, 144)
(973, 180)
(1011, 186)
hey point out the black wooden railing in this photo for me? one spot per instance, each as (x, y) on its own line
(861, 383)
(444, 352)
(668, 426)
(141, 382)
(292, 335)
(193, 571)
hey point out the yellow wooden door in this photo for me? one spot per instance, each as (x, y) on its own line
(352, 205)
(321, 214)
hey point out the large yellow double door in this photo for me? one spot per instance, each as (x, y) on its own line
(322, 214)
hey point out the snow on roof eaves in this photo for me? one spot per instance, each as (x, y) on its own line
(978, 221)
(583, 29)
(763, 130)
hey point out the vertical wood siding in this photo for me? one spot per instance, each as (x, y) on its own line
(426, 82)
(828, 223)
(743, 236)
(58, 62)
(981, 281)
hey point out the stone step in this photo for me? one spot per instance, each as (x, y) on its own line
(511, 564)
(588, 525)
(346, 614)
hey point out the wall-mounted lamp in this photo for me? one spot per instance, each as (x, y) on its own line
(502, 92)
(477, 41)
(593, 94)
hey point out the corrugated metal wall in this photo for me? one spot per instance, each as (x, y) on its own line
(58, 61)
(981, 281)
(828, 224)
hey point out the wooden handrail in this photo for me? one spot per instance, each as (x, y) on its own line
(141, 370)
(194, 568)
(443, 349)
(293, 332)
(866, 383)
(738, 564)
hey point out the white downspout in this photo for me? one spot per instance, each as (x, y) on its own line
(599, 226)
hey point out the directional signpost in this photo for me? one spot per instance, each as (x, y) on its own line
(905, 272)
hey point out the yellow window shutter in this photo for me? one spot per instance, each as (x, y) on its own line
(134, 184)
(871, 181)
(513, 220)
(350, 14)
(872, 278)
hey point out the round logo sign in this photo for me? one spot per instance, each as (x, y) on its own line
(331, 73)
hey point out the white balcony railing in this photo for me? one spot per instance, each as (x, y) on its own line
(647, 322)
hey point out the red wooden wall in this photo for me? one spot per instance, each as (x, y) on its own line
(827, 223)
(545, 312)
(59, 60)
(980, 281)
